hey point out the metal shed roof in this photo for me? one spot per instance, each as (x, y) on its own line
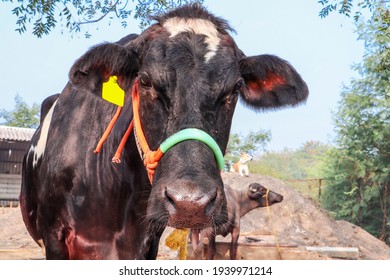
(16, 133)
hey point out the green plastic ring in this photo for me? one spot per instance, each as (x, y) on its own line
(194, 134)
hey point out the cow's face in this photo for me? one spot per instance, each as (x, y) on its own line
(186, 81)
(190, 75)
(262, 195)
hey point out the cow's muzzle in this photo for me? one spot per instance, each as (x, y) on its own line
(187, 205)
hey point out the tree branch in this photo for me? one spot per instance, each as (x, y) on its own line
(100, 18)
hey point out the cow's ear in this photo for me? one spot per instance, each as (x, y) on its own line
(102, 62)
(271, 82)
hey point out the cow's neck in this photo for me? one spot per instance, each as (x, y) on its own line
(246, 204)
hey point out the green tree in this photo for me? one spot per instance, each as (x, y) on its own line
(252, 143)
(299, 164)
(22, 115)
(358, 171)
(44, 16)
(349, 7)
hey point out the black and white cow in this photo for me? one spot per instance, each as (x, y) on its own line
(188, 73)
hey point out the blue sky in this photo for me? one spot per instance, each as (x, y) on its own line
(322, 51)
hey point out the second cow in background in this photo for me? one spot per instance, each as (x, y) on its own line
(239, 203)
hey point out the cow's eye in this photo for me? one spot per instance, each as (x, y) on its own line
(237, 87)
(145, 81)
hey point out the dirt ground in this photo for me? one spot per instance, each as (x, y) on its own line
(298, 221)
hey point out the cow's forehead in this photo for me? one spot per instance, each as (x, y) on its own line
(204, 27)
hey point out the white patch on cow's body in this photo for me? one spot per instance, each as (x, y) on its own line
(199, 26)
(30, 152)
(39, 149)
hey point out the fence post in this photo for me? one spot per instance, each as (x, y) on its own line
(319, 188)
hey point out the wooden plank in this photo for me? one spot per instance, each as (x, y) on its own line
(260, 252)
(351, 253)
(260, 245)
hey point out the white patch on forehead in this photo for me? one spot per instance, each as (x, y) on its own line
(199, 26)
(39, 149)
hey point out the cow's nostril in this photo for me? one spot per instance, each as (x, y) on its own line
(211, 204)
(170, 199)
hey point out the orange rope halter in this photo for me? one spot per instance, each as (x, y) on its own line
(150, 158)
(118, 153)
(108, 130)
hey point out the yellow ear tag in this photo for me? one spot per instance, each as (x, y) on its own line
(112, 92)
